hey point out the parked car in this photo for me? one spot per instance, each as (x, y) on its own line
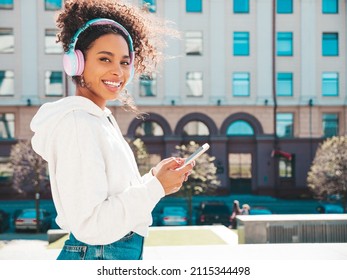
(26, 220)
(329, 208)
(259, 211)
(173, 216)
(4, 221)
(210, 213)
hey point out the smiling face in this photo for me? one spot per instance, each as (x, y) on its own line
(107, 69)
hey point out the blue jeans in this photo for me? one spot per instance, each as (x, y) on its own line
(130, 247)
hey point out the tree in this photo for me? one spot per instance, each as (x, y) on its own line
(328, 173)
(29, 172)
(203, 178)
(141, 155)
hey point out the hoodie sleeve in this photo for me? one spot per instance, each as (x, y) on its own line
(91, 213)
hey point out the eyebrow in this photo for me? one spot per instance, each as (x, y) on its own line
(111, 54)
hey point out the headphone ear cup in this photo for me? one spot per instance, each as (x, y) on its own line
(79, 62)
(132, 73)
(73, 62)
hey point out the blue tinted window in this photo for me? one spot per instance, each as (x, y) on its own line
(330, 6)
(151, 5)
(240, 128)
(330, 125)
(284, 6)
(241, 6)
(6, 4)
(284, 86)
(194, 6)
(284, 124)
(53, 5)
(241, 84)
(330, 84)
(284, 43)
(330, 44)
(241, 43)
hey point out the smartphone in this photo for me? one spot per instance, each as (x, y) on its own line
(197, 153)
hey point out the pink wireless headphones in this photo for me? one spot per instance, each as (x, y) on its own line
(73, 60)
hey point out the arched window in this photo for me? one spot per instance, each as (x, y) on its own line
(196, 128)
(240, 128)
(149, 128)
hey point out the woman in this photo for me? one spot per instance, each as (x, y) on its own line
(99, 195)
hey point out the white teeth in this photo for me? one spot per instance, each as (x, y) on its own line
(114, 84)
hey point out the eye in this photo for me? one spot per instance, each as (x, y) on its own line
(105, 59)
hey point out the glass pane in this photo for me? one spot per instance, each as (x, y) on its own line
(149, 128)
(148, 85)
(284, 6)
(284, 123)
(193, 43)
(330, 84)
(241, 43)
(284, 84)
(240, 166)
(285, 168)
(330, 6)
(194, 6)
(54, 83)
(284, 43)
(6, 40)
(6, 126)
(330, 125)
(240, 128)
(330, 44)
(50, 42)
(151, 5)
(241, 84)
(194, 83)
(195, 128)
(53, 5)
(6, 4)
(6, 82)
(241, 6)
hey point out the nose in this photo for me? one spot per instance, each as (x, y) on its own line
(117, 70)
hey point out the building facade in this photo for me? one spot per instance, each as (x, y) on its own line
(262, 81)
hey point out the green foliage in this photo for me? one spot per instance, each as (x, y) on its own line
(328, 173)
(203, 178)
(141, 155)
(29, 169)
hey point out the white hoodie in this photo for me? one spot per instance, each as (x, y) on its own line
(97, 190)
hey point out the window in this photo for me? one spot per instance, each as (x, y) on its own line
(54, 83)
(6, 126)
(284, 6)
(240, 128)
(330, 84)
(330, 44)
(6, 40)
(51, 47)
(240, 166)
(284, 124)
(149, 128)
(284, 43)
(6, 83)
(196, 128)
(148, 85)
(284, 86)
(193, 6)
(194, 83)
(241, 6)
(193, 43)
(151, 5)
(6, 4)
(241, 84)
(285, 167)
(330, 6)
(241, 43)
(53, 5)
(330, 125)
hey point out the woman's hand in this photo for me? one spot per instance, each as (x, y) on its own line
(171, 173)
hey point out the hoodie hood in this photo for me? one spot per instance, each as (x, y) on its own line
(50, 114)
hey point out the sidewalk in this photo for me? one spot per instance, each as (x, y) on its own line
(219, 243)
